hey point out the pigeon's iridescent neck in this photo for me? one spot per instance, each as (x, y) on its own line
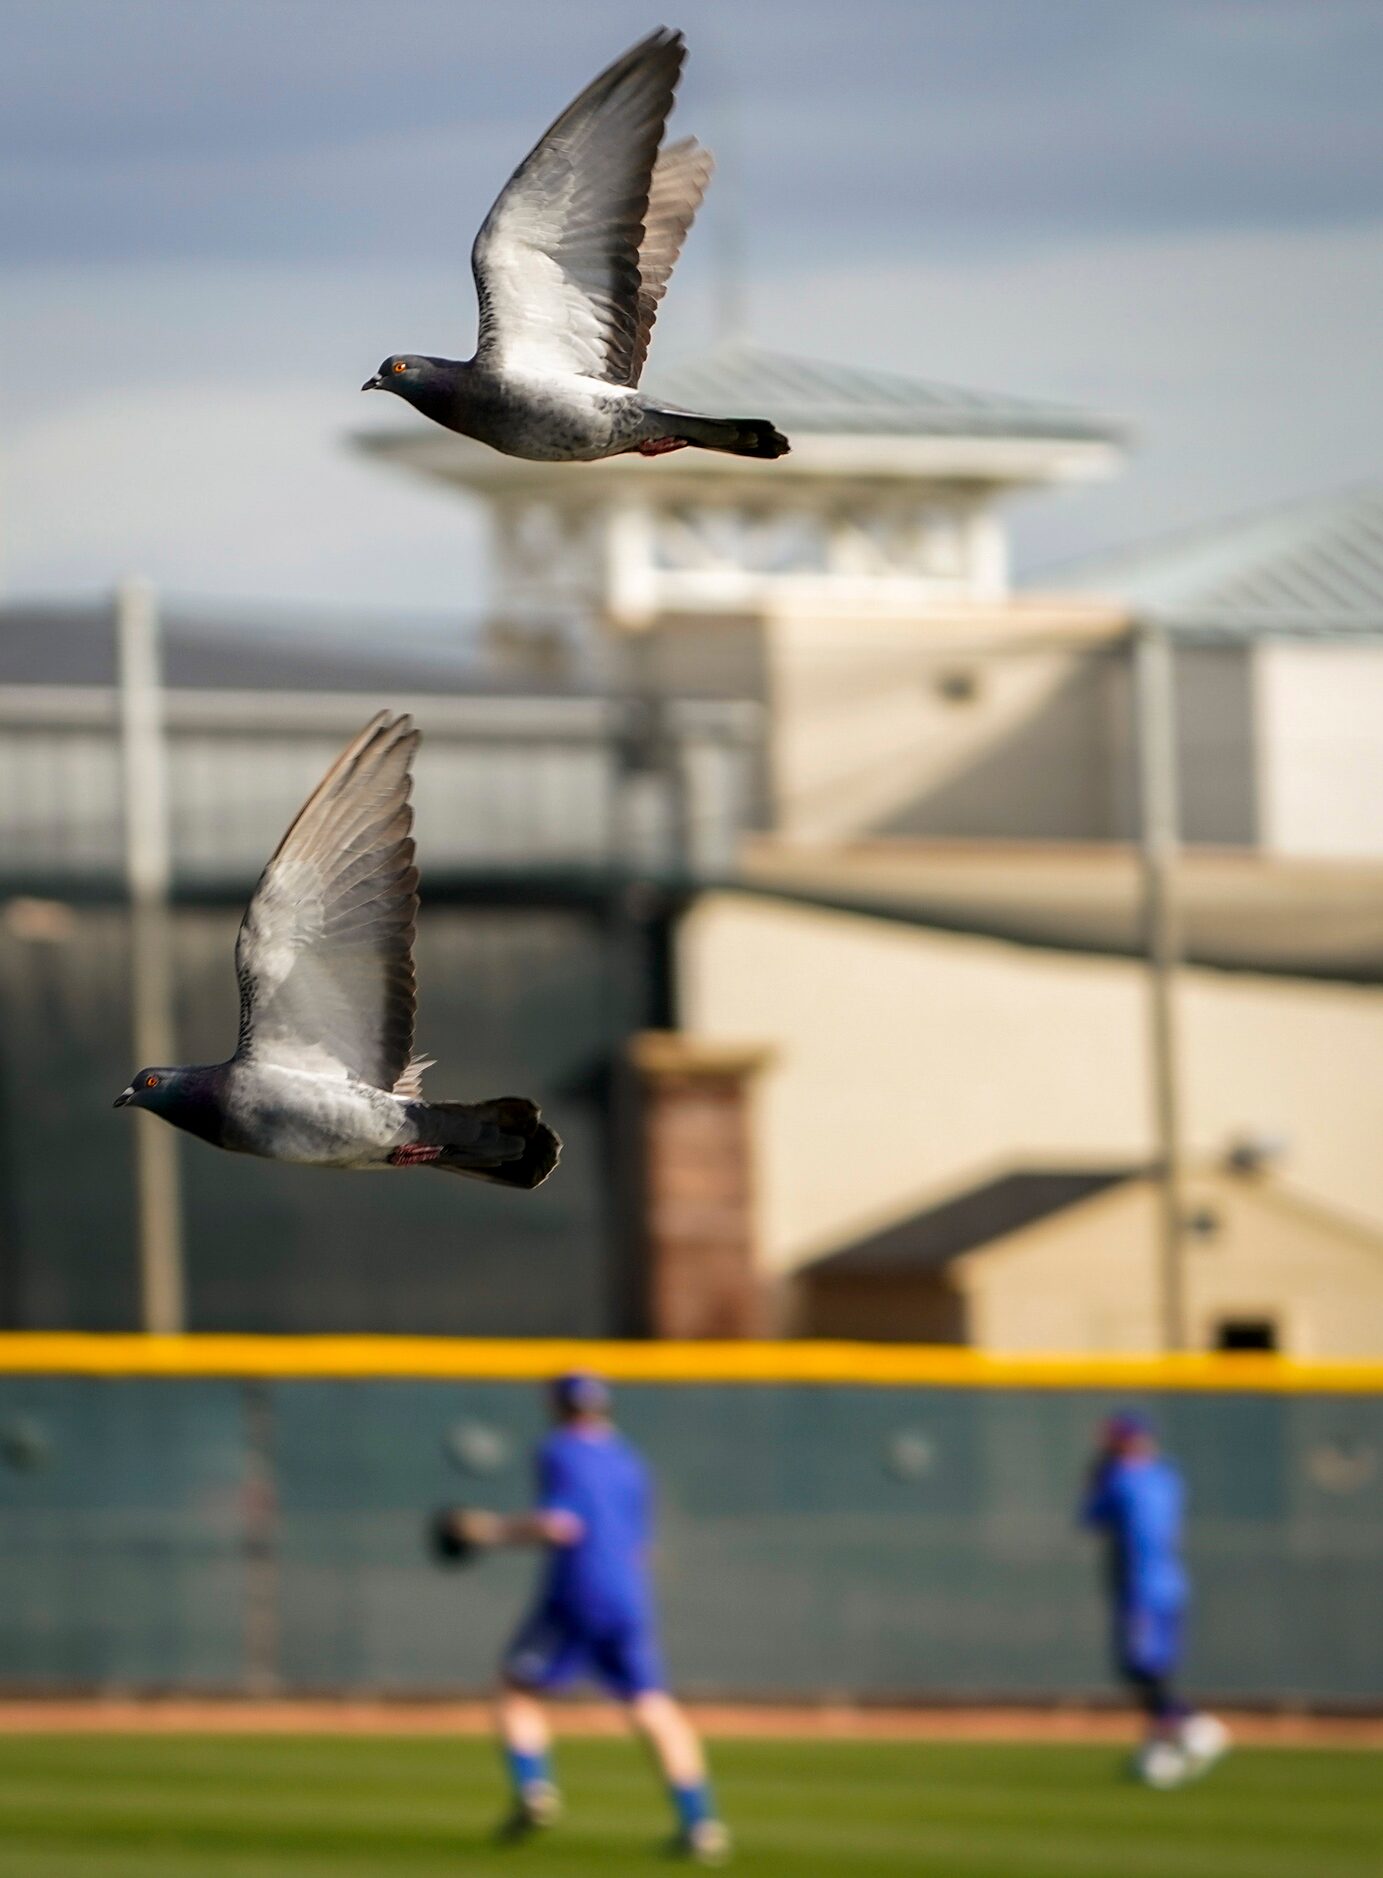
(444, 393)
(196, 1102)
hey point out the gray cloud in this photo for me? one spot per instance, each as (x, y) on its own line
(215, 218)
(1247, 365)
(378, 129)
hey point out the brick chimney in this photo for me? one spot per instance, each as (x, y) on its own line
(700, 1236)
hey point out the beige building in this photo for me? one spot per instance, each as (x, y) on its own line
(1276, 623)
(860, 590)
(980, 714)
(910, 1063)
(1058, 1259)
(936, 931)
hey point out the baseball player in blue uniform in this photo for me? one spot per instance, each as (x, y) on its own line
(1136, 1498)
(593, 1616)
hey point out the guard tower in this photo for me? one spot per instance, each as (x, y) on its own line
(889, 499)
(698, 574)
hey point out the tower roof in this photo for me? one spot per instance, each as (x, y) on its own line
(844, 421)
(1307, 569)
(811, 396)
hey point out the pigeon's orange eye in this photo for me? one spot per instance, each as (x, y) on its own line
(399, 366)
(151, 1082)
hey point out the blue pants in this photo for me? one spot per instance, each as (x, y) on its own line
(1147, 1640)
(554, 1646)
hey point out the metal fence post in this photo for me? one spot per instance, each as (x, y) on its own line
(1158, 817)
(148, 870)
(261, 1673)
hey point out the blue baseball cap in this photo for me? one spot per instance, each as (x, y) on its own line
(581, 1391)
(1126, 1425)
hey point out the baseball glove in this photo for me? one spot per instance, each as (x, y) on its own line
(444, 1543)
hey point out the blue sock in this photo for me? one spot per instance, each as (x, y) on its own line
(525, 1770)
(694, 1804)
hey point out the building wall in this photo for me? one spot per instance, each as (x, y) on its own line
(1320, 706)
(1001, 722)
(979, 721)
(996, 723)
(1218, 744)
(1004, 722)
(1086, 1278)
(696, 655)
(902, 1307)
(889, 726)
(908, 1064)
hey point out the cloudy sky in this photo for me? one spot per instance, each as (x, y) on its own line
(216, 216)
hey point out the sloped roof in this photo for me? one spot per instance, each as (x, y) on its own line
(73, 643)
(928, 1241)
(809, 396)
(1312, 568)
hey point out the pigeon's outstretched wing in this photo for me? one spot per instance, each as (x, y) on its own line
(556, 262)
(680, 178)
(325, 953)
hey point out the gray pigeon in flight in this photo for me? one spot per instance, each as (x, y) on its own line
(324, 1072)
(569, 268)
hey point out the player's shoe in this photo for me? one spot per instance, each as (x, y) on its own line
(705, 1843)
(535, 1809)
(1203, 1739)
(1161, 1764)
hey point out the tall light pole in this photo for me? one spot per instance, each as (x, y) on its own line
(1158, 838)
(148, 874)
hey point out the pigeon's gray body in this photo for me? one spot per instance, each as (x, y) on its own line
(323, 1072)
(316, 1120)
(547, 419)
(570, 266)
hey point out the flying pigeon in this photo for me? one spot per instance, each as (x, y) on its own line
(324, 1072)
(569, 268)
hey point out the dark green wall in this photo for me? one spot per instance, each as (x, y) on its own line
(816, 1541)
(518, 999)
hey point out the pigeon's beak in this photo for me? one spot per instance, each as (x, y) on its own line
(125, 1095)
(373, 384)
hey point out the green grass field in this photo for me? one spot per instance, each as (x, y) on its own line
(206, 1807)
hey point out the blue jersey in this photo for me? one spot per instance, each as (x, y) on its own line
(596, 1475)
(1138, 1503)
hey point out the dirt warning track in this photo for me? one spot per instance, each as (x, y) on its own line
(114, 1715)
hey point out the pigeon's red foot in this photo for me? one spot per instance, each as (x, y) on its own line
(659, 446)
(415, 1155)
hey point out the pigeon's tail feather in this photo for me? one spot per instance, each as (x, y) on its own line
(735, 436)
(504, 1141)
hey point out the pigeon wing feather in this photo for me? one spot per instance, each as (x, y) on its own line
(556, 261)
(680, 178)
(325, 953)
